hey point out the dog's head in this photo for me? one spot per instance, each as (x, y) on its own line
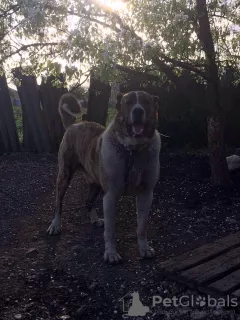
(137, 113)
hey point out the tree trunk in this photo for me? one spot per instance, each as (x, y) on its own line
(217, 156)
(217, 116)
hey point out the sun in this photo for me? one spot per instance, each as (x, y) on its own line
(117, 5)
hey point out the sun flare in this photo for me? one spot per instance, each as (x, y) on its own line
(114, 5)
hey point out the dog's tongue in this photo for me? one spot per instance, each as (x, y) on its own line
(137, 128)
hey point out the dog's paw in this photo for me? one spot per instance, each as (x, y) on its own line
(94, 218)
(146, 252)
(54, 228)
(112, 257)
(98, 223)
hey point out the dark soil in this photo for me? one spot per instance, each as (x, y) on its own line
(64, 277)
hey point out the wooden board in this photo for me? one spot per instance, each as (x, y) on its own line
(9, 141)
(228, 283)
(214, 267)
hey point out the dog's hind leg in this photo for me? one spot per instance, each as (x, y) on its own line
(94, 190)
(65, 174)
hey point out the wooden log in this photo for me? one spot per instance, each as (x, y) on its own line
(9, 141)
(35, 136)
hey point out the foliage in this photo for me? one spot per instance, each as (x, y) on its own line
(151, 36)
(111, 115)
(80, 91)
(17, 111)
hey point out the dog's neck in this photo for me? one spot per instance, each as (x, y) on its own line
(132, 144)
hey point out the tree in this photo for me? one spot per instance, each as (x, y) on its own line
(152, 37)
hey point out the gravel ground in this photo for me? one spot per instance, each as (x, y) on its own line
(64, 277)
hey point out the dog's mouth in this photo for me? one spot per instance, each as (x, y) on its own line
(137, 129)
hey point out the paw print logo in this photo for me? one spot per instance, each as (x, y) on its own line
(200, 301)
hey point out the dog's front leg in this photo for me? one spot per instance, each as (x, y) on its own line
(109, 208)
(143, 203)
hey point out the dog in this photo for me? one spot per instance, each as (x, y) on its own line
(120, 159)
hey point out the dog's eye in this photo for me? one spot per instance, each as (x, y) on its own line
(146, 102)
(129, 102)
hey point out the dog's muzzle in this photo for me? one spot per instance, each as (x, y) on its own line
(138, 118)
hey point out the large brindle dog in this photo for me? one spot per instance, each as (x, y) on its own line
(121, 159)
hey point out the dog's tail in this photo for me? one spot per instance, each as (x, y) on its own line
(69, 109)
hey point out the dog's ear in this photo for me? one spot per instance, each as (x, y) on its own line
(119, 99)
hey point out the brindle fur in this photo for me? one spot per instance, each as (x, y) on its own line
(101, 155)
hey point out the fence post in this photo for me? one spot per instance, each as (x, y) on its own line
(9, 141)
(49, 97)
(98, 99)
(34, 130)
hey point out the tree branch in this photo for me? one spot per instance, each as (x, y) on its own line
(142, 73)
(221, 17)
(191, 17)
(184, 65)
(106, 25)
(81, 83)
(5, 13)
(76, 14)
(126, 27)
(174, 62)
(167, 70)
(25, 47)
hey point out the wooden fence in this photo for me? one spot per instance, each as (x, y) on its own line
(42, 125)
(182, 110)
(98, 98)
(9, 141)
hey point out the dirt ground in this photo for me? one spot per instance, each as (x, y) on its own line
(64, 277)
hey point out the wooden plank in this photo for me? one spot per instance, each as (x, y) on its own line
(214, 268)
(49, 97)
(202, 254)
(98, 98)
(191, 285)
(236, 293)
(35, 136)
(227, 284)
(9, 141)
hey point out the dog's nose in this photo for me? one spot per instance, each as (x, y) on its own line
(138, 114)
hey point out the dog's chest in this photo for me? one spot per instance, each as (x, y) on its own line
(135, 166)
